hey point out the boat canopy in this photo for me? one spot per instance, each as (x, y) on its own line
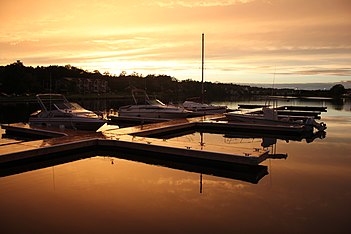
(50, 102)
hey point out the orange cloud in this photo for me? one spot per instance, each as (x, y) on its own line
(243, 38)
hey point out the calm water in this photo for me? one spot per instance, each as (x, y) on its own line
(309, 192)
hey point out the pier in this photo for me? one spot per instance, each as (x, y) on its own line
(291, 112)
(153, 138)
(130, 139)
(295, 108)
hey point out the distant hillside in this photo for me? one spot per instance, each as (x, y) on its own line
(16, 79)
(303, 86)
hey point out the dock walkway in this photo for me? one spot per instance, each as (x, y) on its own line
(132, 139)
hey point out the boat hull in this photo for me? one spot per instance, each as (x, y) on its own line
(70, 123)
(153, 111)
(155, 115)
(203, 109)
(261, 120)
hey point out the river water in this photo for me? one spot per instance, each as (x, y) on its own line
(307, 192)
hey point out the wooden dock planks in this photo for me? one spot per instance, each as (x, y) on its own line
(125, 139)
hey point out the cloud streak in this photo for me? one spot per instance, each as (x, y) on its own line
(328, 72)
(198, 3)
(244, 39)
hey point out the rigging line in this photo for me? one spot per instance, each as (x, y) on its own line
(202, 66)
(275, 69)
(50, 92)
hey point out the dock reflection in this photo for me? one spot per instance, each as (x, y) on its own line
(309, 137)
(269, 139)
(247, 173)
(265, 140)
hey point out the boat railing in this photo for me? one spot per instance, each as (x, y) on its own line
(135, 92)
(48, 101)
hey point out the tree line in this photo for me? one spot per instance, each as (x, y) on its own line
(18, 79)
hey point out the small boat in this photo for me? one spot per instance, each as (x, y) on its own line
(270, 117)
(57, 111)
(151, 108)
(203, 108)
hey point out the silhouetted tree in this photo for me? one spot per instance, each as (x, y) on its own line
(337, 91)
(19, 79)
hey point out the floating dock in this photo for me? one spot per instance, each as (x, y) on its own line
(296, 108)
(131, 139)
(143, 139)
(304, 108)
(293, 112)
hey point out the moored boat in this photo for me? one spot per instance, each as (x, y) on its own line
(203, 108)
(270, 117)
(151, 108)
(57, 111)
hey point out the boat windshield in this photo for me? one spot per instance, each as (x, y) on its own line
(63, 106)
(50, 102)
(76, 106)
(155, 102)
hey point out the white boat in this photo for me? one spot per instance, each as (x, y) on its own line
(270, 117)
(151, 109)
(203, 108)
(57, 111)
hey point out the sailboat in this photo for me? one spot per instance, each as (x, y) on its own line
(201, 108)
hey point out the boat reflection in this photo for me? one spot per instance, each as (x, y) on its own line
(270, 140)
(247, 173)
(256, 140)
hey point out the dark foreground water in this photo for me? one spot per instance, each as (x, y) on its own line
(308, 192)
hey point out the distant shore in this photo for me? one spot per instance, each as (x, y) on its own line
(126, 97)
(20, 83)
(32, 98)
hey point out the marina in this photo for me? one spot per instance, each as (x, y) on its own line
(133, 138)
(138, 138)
(171, 163)
(116, 118)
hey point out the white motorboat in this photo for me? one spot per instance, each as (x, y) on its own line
(151, 109)
(270, 117)
(203, 108)
(57, 111)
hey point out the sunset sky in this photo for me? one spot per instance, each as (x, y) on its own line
(246, 41)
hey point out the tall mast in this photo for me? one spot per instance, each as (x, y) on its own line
(202, 68)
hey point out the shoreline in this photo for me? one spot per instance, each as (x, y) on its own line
(126, 96)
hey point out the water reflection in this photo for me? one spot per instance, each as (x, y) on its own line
(269, 139)
(252, 174)
(307, 193)
(334, 106)
(264, 140)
